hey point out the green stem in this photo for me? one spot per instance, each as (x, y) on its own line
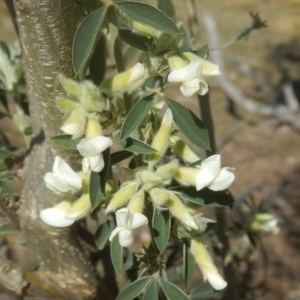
(231, 292)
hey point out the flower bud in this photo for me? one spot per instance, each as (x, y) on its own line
(91, 98)
(264, 223)
(66, 105)
(207, 266)
(121, 197)
(186, 176)
(159, 196)
(136, 202)
(75, 123)
(167, 171)
(70, 86)
(79, 208)
(149, 179)
(179, 210)
(183, 151)
(129, 80)
(161, 139)
(93, 128)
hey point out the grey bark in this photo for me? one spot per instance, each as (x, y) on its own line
(46, 31)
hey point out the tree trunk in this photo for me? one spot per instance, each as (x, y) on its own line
(47, 29)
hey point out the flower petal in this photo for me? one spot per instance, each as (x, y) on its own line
(55, 184)
(216, 281)
(187, 73)
(65, 173)
(209, 170)
(96, 163)
(223, 181)
(209, 68)
(94, 146)
(114, 233)
(125, 237)
(189, 88)
(56, 216)
(203, 88)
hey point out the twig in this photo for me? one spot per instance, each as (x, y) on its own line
(282, 113)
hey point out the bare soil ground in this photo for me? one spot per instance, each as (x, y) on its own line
(259, 151)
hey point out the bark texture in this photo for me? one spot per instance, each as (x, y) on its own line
(46, 30)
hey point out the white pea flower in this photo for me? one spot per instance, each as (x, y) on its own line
(56, 216)
(211, 174)
(206, 265)
(190, 73)
(264, 223)
(67, 212)
(62, 179)
(91, 149)
(126, 222)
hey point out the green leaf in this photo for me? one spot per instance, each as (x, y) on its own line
(3, 167)
(205, 197)
(151, 292)
(203, 292)
(7, 229)
(4, 153)
(129, 172)
(103, 232)
(161, 224)
(189, 266)
(134, 289)
(6, 176)
(202, 52)
(167, 7)
(136, 116)
(86, 38)
(65, 142)
(134, 40)
(116, 254)
(189, 124)
(147, 15)
(136, 146)
(97, 64)
(97, 182)
(172, 291)
(119, 156)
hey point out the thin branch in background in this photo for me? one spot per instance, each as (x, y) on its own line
(281, 113)
(256, 24)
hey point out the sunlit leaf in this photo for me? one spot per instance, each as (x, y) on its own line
(161, 224)
(189, 124)
(172, 291)
(103, 232)
(147, 15)
(86, 38)
(116, 254)
(136, 146)
(65, 142)
(136, 116)
(134, 289)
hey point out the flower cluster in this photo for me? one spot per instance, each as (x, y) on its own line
(189, 69)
